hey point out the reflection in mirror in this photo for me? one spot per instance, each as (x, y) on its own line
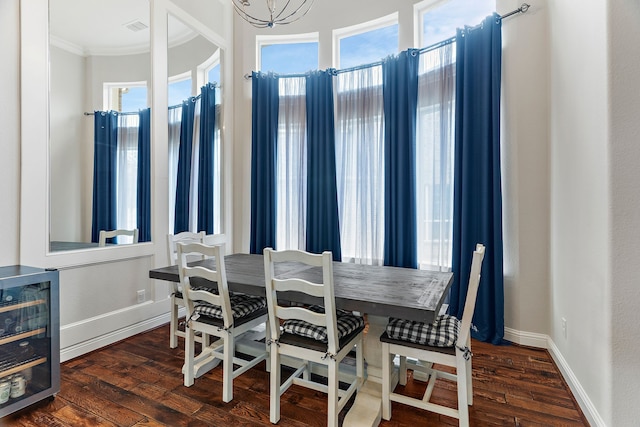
(194, 130)
(99, 139)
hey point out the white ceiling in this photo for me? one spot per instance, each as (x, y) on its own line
(99, 27)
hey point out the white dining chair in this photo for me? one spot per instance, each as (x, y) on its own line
(218, 315)
(176, 294)
(446, 342)
(110, 234)
(314, 334)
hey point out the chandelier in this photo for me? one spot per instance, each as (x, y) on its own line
(266, 13)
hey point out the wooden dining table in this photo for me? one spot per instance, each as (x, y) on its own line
(379, 292)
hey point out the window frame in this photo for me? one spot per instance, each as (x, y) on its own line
(107, 91)
(419, 10)
(202, 70)
(268, 40)
(375, 24)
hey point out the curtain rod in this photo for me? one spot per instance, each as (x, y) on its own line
(118, 112)
(524, 7)
(214, 84)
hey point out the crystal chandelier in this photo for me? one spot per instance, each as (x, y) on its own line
(266, 13)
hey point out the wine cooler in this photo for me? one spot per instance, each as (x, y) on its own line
(29, 336)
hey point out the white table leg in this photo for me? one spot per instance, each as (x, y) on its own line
(367, 408)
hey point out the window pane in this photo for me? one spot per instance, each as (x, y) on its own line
(179, 91)
(435, 157)
(441, 22)
(134, 98)
(214, 74)
(289, 58)
(368, 47)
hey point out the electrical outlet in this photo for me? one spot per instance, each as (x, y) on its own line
(564, 328)
(141, 296)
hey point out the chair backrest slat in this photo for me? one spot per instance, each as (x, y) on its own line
(286, 313)
(219, 275)
(299, 285)
(324, 290)
(472, 293)
(110, 234)
(184, 237)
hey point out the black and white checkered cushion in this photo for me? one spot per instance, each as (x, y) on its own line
(441, 333)
(241, 305)
(345, 321)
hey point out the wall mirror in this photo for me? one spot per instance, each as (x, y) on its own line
(195, 139)
(99, 56)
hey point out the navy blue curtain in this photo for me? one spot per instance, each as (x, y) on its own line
(477, 209)
(206, 160)
(264, 137)
(323, 229)
(143, 197)
(183, 183)
(105, 137)
(400, 97)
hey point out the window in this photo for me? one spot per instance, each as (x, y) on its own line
(359, 121)
(124, 97)
(291, 54)
(291, 166)
(360, 164)
(127, 98)
(209, 72)
(127, 172)
(179, 88)
(439, 19)
(366, 43)
(435, 157)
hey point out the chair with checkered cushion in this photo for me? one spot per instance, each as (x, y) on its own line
(176, 295)
(222, 315)
(313, 334)
(447, 342)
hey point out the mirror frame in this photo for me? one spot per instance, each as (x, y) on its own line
(34, 175)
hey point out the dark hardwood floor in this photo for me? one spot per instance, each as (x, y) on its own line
(137, 382)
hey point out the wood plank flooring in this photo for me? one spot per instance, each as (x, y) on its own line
(137, 382)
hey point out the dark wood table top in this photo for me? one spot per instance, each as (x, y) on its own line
(383, 291)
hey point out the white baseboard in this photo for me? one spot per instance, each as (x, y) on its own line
(529, 339)
(544, 341)
(87, 346)
(589, 410)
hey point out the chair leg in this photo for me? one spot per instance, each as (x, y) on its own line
(332, 385)
(267, 340)
(274, 392)
(189, 350)
(469, 376)
(173, 323)
(205, 340)
(360, 363)
(461, 374)
(402, 371)
(386, 381)
(306, 374)
(227, 367)
(469, 382)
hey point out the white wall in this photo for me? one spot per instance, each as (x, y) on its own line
(10, 132)
(525, 179)
(580, 197)
(623, 23)
(70, 218)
